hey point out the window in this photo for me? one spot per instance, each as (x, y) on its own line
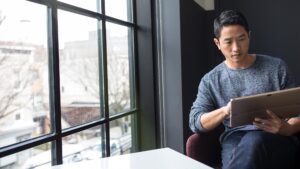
(68, 90)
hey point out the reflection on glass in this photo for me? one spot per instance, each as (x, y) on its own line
(118, 68)
(24, 95)
(79, 69)
(36, 157)
(85, 145)
(121, 9)
(121, 136)
(93, 5)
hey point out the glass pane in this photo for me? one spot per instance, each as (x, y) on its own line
(121, 9)
(93, 5)
(24, 95)
(118, 55)
(79, 69)
(39, 156)
(121, 136)
(85, 145)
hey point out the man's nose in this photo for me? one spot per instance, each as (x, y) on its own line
(235, 46)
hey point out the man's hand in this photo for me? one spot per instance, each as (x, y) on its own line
(227, 110)
(214, 118)
(273, 124)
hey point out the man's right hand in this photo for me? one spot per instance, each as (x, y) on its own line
(212, 119)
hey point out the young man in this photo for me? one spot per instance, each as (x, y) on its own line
(268, 143)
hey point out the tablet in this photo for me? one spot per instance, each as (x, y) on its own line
(284, 103)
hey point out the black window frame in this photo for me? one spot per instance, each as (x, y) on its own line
(55, 137)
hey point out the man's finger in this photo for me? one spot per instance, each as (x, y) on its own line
(271, 114)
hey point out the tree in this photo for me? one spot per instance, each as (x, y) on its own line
(2, 17)
(79, 64)
(17, 77)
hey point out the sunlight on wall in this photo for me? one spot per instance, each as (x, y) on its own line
(206, 4)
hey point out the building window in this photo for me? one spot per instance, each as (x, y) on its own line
(84, 46)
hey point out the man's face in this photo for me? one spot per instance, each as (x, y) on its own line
(234, 44)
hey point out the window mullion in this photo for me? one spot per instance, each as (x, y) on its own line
(104, 78)
(55, 108)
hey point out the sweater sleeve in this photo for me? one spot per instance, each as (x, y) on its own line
(286, 78)
(202, 104)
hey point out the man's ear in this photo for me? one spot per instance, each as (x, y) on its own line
(217, 43)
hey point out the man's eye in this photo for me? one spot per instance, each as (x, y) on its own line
(227, 42)
(241, 39)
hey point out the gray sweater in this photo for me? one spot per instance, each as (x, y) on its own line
(221, 84)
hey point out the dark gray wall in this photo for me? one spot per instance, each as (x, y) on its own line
(198, 53)
(274, 28)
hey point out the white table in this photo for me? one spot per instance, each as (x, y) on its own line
(164, 158)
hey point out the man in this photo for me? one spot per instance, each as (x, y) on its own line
(268, 143)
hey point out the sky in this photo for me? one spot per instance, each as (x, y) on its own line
(23, 22)
(26, 21)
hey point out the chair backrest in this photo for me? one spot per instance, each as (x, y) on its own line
(205, 147)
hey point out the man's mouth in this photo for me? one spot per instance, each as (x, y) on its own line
(236, 55)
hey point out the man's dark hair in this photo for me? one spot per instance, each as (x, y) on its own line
(229, 17)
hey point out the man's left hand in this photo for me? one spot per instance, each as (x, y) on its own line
(273, 124)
